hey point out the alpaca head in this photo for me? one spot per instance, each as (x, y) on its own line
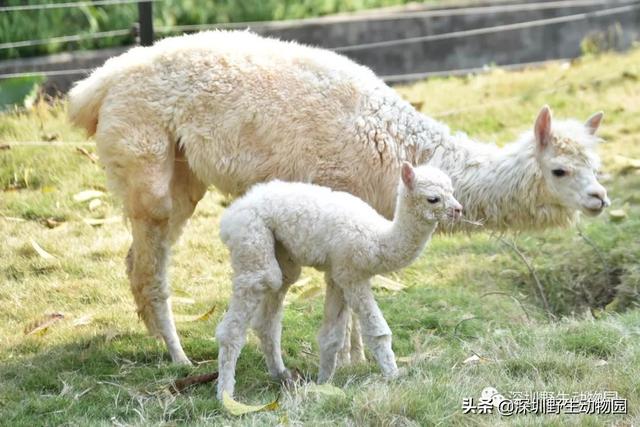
(428, 191)
(565, 152)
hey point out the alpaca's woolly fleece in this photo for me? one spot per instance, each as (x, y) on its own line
(234, 109)
(336, 233)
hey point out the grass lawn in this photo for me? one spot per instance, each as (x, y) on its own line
(73, 352)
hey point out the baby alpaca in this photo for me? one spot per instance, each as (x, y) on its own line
(334, 232)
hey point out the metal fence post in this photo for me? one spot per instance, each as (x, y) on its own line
(145, 18)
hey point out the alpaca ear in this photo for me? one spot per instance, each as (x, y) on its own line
(542, 128)
(408, 175)
(593, 123)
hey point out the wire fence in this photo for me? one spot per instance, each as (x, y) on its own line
(619, 7)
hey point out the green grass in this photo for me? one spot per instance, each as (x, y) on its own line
(468, 294)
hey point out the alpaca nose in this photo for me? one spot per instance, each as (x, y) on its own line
(457, 210)
(601, 194)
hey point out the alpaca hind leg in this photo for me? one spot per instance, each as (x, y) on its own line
(231, 331)
(332, 332)
(268, 319)
(148, 206)
(186, 191)
(375, 330)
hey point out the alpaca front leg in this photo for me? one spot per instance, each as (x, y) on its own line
(332, 333)
(147, 267)
(231, 333)
(375, 330)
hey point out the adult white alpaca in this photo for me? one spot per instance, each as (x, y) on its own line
(337, 233)
(233, 109)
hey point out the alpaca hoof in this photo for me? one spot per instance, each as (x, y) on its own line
(291, 378)
(183, 361)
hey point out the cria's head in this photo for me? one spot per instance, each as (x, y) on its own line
(565, 151)
(429, 191)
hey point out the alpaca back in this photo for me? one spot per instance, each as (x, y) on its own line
(312, 222)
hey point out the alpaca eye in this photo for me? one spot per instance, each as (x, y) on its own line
(559, 172)
(433, 199)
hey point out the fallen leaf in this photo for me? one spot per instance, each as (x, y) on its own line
(325, 389)
(95, 204)
(196, 318)
(237, 408)
(44, 254)
(309, 293)
(13, 218)
(101, 221)
(48, 189)
(300, 283)
(86, 195)
(40, 326)
(382, 282)
(601, 362)
(52, 223)
(90, 156)
(472, 359)
(179, 291)
(83, 320)
(617, 215)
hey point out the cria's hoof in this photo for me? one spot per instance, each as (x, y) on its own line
(290, 378)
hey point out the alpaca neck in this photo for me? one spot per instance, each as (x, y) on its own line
(406, 237)
(502, 188)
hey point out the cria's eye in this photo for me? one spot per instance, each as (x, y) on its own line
(559, 172)
(433, 199)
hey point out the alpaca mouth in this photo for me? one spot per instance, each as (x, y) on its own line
(593, 211)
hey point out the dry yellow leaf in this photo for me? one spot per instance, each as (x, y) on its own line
(237, 408)
(617, 215)
(101, 221)
(41, 326)
(197, 318)
(44, 254)
(86, 195)
(326, 389)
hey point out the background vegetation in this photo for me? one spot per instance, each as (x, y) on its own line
(45, 24)
(73, 352)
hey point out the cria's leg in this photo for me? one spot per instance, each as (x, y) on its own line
(267, 321)
(148, 205)
(357, 349)
(248, 292)
(331, 335)
(375, 330)
(352, 350)
(344, 355)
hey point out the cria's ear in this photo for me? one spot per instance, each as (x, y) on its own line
(593, 123)
(542, 128)
(408, 175)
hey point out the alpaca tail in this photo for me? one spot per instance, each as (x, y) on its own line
(86, 96)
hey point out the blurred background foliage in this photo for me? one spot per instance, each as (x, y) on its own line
(44, 24)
